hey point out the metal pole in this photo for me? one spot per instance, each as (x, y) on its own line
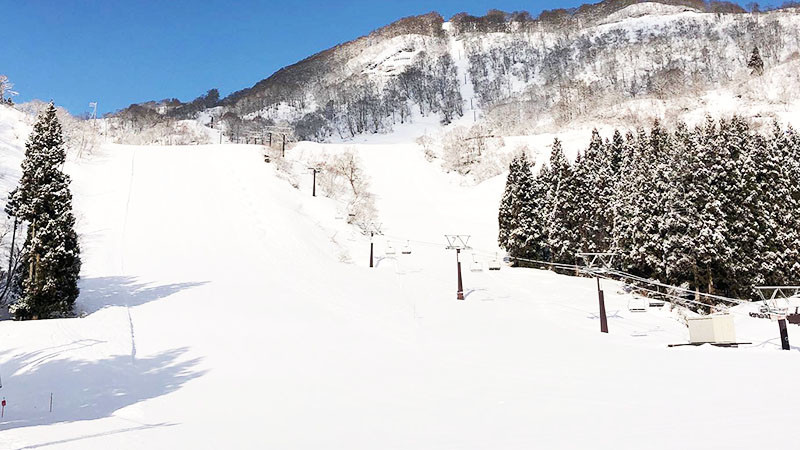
(784, 334)
(603, 318)
(314, 183)
(371, 247)
(460, 292)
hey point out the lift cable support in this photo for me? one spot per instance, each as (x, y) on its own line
(775, 305)
(458, 242)
(597, 262)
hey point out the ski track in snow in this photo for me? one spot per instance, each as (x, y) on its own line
(122, 254)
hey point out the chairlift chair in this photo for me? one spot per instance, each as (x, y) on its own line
(476, 266)
(406, 249)
(390, 251)
(637, 304)
(495, 263)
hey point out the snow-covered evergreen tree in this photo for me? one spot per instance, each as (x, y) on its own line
(638, 239)
(558, 206)
(51, 256)
(755, 63)
(520, 229)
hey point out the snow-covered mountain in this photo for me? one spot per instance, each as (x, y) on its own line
(513, 74)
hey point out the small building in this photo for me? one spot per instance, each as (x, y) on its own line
(713, 329)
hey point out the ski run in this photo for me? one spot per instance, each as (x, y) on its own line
(221, 307)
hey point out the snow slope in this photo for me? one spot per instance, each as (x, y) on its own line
(219, 313)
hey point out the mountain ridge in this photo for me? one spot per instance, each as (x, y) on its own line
(349, 89)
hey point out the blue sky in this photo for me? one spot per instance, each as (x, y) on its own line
(121, 52)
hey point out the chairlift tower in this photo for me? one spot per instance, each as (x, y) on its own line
(93, 105)
(598, 263)
(771, 295)
(458, 242)
(314, 171)
(373, 230)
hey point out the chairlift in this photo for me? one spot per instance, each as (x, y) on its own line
(637, 304)
(406, 250)
(476, 266)
(390, 251)
(495, 263)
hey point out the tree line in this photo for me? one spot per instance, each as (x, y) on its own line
(715, 208)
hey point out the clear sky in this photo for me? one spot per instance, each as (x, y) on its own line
(121, 52)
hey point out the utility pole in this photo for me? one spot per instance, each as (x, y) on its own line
(458, 242)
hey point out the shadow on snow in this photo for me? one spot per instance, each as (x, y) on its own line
(86, 389)
(98, 293)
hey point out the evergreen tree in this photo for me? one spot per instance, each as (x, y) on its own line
(792, 169)
(520, 233)
(736, 274)
(608, 167)
(755, 64)
(638, 233)
(785, 201)
(679, 202)
(709, 224)
(592, 183)
(622, 205)
(557, 213)
(51, 256)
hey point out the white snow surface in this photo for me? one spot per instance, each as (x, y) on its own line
(222, 308)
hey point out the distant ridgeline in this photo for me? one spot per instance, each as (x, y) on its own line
(715, 208)
(558, 66)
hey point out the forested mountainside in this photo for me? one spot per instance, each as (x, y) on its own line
(504, 69)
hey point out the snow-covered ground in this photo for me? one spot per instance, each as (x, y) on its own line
(223, 308)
